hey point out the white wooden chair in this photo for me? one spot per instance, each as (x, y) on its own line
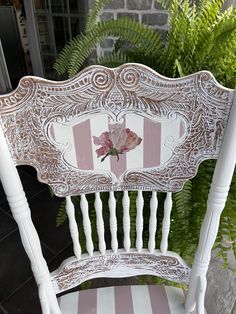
(119, 129)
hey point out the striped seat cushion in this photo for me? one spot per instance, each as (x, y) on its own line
(125, 300)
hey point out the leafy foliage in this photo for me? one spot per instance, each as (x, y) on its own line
(200, 36)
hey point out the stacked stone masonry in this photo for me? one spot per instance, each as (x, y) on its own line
(148, 12)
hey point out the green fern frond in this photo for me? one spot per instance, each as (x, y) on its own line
(114, 59)
(76, 52)
(207, 15)
(63, 60)
(166, 4)
(94, 13)
(61, 215)
(179, 21)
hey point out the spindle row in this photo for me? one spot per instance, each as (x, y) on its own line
(98, 205)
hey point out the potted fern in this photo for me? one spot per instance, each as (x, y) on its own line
(201, 36)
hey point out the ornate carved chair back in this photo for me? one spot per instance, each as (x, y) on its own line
(123, 129)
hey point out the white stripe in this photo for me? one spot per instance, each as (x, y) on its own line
(98, 125)
(65, 138)
(106, 301)
(169, 138)
(69, 303)
(141, 300)
(134, 158)
(175, 299)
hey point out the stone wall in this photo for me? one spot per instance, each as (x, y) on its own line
(148, 12)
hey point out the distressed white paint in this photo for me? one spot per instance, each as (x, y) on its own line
(86, 224)
(113, 221)
(169, 138)
(166, 222)
(126, 220)
(21, 212)
(139, 221)
(217, 197)
(70, 210)
(64, 136)
(100, 223)
(152, 222)
(215, 204)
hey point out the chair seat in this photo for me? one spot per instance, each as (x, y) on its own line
(125, 300)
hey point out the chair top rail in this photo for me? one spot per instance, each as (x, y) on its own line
(126, 97)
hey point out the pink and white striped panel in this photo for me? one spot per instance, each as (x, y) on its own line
(156, 147)
(125, 300)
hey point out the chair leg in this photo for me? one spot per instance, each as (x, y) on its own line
(43, 300)
(200, 297)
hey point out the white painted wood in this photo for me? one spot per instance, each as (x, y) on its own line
(126, 220)
(153, 222)
(69, 304)
(70, 210)
(201, 295)
(100, 223)
(169, 138)
(216, 201)
(21, 212)
(175, 299)
(106, 301)
(139, 294)
(113, 221)
(86, 224)
(166, 222)
(139, 221)
(134, 158)
(64, 136)
(43, 300)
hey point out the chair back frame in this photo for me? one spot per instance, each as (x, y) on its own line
(208, 112)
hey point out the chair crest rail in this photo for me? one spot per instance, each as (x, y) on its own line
(198, 101)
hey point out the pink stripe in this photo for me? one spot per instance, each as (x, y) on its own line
(181, 128)
(123, 300)
(52, 133)
(159, 300)
(151, 143)
(118, 167)
(87, 302)
(83, 145)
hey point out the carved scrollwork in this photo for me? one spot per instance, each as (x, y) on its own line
(198, 100)
(122, 265)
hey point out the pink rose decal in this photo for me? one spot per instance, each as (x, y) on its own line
(117, 141)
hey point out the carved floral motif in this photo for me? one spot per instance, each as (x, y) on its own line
(120, 265)
(28, 112)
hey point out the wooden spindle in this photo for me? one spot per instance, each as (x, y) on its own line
(100, 223)
(70, 210)
(166, 222)
(113, 221)
(139, 221)
(86, 224)
(153, 222)
(126, 220)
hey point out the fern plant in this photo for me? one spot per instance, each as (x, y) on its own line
(201, 36)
